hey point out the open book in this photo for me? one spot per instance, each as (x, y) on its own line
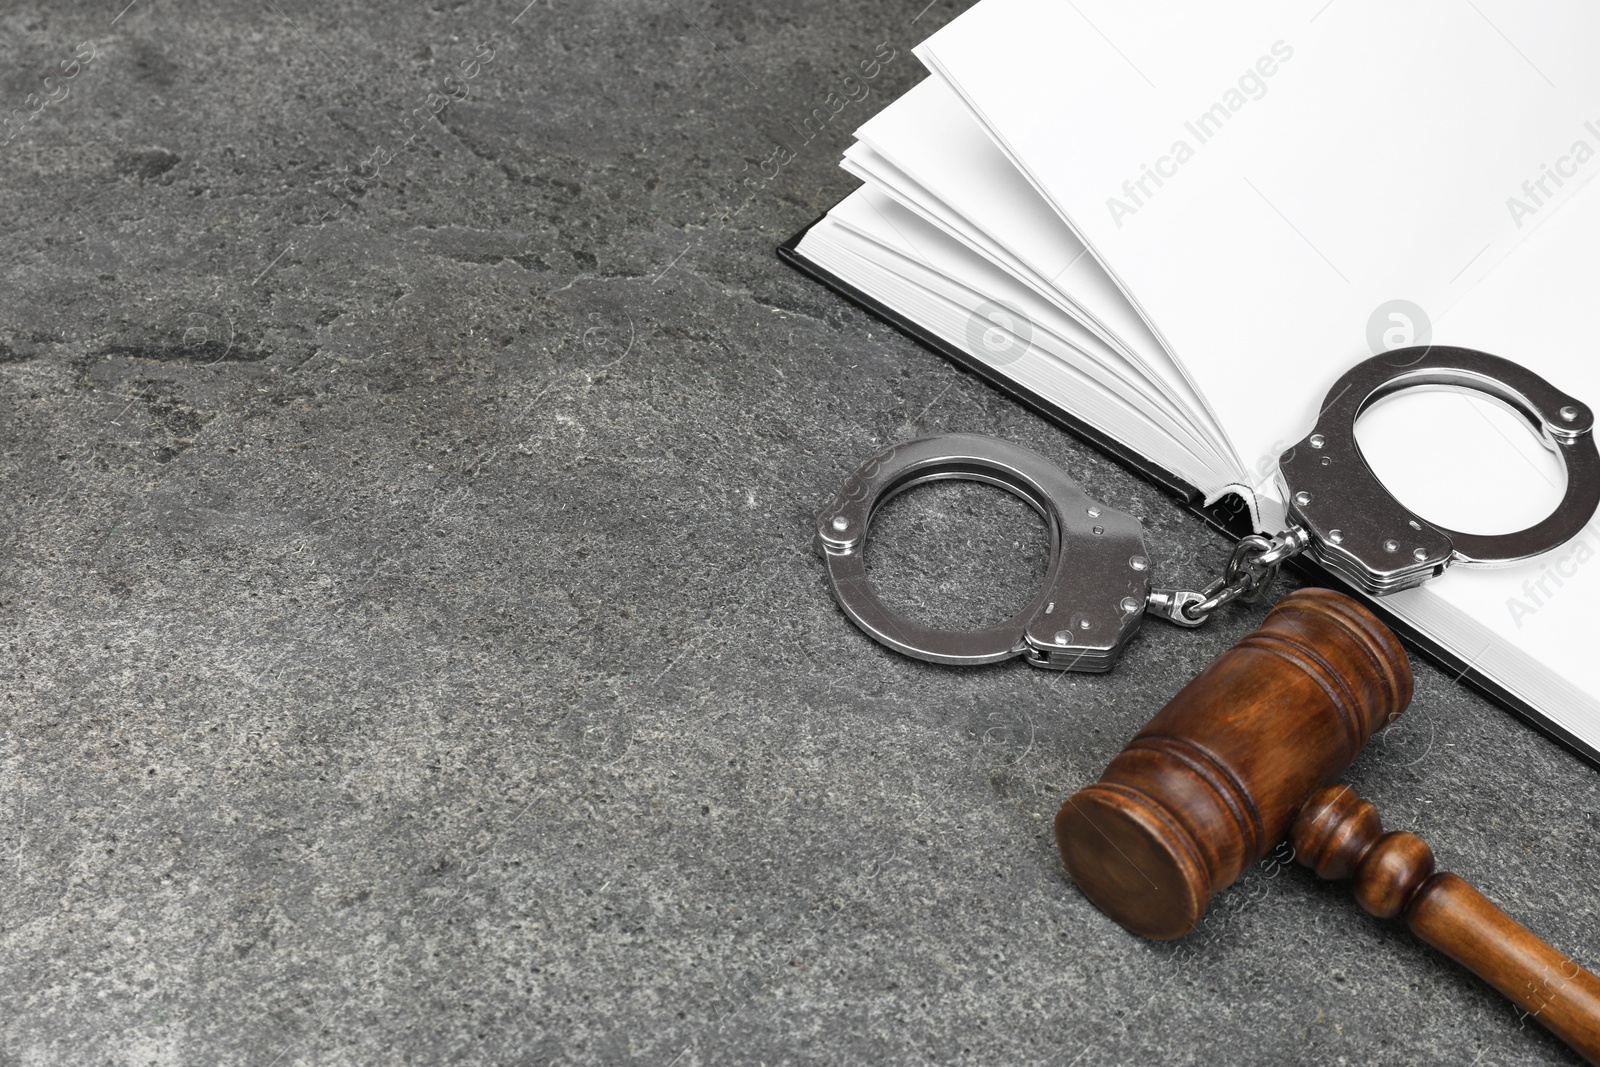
(1176, 225)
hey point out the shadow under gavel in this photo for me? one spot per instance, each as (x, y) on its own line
(1247, 753)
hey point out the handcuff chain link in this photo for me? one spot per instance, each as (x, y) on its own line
(1248, 576)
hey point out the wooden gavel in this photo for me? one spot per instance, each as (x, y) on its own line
(1246, 753)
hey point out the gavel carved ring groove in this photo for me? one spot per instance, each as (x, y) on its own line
(1248, 753)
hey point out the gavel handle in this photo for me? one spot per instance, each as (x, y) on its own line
(1339, 835)
(1465, 925)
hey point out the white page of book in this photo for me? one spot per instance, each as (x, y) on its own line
(1134, 383)
(929, 135)
(1382, 157)
(882, 248)
(925, 296)
(947, 269)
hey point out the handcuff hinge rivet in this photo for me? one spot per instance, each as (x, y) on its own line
(1302, 498)
(840, 523)
(1138, 563)
(1336, 536)
(1568, 414)
(1420, 555)
(1391, 546)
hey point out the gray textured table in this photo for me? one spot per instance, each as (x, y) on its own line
(413, 647)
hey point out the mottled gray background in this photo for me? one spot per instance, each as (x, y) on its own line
(413, 646)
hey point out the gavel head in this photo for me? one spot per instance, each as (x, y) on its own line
(1215, 779)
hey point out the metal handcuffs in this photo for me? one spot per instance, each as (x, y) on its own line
(1097, 588)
